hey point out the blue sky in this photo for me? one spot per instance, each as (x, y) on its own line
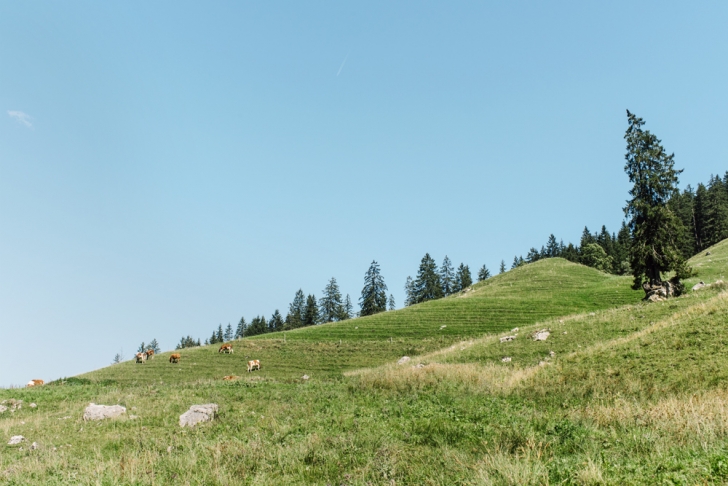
(169, 166)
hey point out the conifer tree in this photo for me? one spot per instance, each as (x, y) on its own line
(311, 314)
(715, 212)
(552, 247)
(347, 309)
(483, 273)
(220, 336)
(586, 238)
(533, 255)
(502, 268)
(228, 332)
(390, 304)
(463, 278)
(409, 290)
(446, 276)
(427, 284)
(240, 331)
(275, 323)
(374, 294)
(516, 262)
(655, 228)
(330, 304)
(296, 310)
(142, 348)
(154, 345)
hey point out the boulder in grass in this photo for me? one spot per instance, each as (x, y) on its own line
(506, 359)
(101, 412)
(541, 335)
(699, 285)
(16, 439)
(403, 360)
(197, 414)
(505, 339)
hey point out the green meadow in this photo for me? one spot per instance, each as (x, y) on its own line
(621, 392)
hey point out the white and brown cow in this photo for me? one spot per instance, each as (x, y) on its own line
(174, 358)
(253, 365)
(141, 357)
(226, 348)
(150, 353)
(35, 382)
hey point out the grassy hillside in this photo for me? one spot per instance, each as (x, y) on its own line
(520, 297)
(634, 393)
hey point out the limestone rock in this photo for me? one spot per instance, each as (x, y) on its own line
(505, 339)
(506, 359)
(418, 366)
(403, 360)
(32, 405)
(197, 414)
(541, 335)
(305, 377)
(16, 439)
(33, 446)
(699, 285)
(3, 408)
(101, 412)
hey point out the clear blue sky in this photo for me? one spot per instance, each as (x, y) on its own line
(169, 166)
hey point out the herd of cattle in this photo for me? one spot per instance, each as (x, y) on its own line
(175, 357)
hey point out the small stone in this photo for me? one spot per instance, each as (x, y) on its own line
(101, 412)
(16, 439)
(542, 363)
(403, 360)
(699, 285)
(418, 366)
(515, 329)
(169, 449)
(33, 446)
(132, 417)
(592, 314)
(305, 377)
(32, 405)
(3, 408)
(197, 414)
(443, 327)
(506, 359)
(541, 335)
(564, 332)
(505, 339)
(552, 354)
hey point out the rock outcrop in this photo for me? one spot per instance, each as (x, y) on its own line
(101, 412)
(197, 414)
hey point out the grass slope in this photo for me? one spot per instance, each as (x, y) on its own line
(635, 394)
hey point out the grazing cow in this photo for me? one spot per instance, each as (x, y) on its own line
(150, 353)
(230, 378)
(226, 348)
(141, 357)
(174, 358)
(35, 383)
(254, 364)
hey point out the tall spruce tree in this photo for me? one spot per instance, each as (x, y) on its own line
(715, 212)
(655, 228)
(330, 303)
(220, 336)
(447, 275)
(374, 294)
(240, 331)
(502, 268)
(483, 273)
(229, 332)
(276, 322)
(552, 247)
(409, 292)
(311, 314)
(427, 284)
(390, 303)
(296, 310)
(348, 309)
(257, 326)
(463, 278)
(154, 345)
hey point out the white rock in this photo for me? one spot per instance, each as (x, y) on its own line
(515, 329)
(403, 360)
(505, 339)
(443, 326)
(197, 414)
(541, 335)
(542, 363)
(506, 359)
(101, 412)
(169, 449)
(418, 366)
(564, 332)
(32, 405)
(33, 446)
(305, 377)
(699, 285)
(552, 354)
(3, 408)
(592, 314)
(16, 439)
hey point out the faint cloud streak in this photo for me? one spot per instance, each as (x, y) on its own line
(342, 64)
(21, 117)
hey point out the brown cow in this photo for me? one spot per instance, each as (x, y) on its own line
(35, 383)
(226, 348)
(141, 357)
(230, 378)
(174, 358)
(150, 353)
(253, 364)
